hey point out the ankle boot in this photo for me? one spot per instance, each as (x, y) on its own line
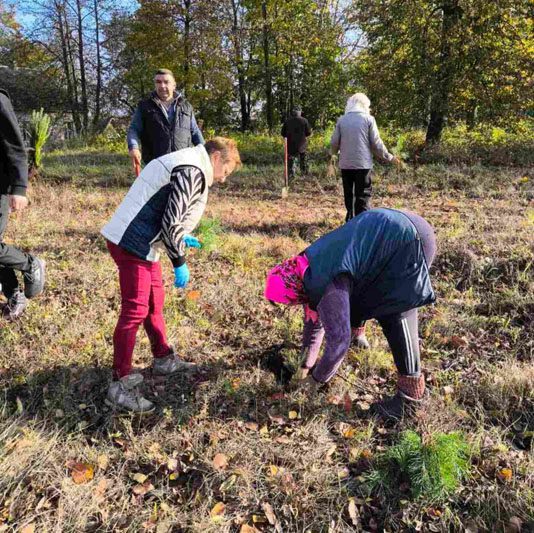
(359, 339)
(410, 395)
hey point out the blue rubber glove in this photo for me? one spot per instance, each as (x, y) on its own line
(192, 242)
(181, 276)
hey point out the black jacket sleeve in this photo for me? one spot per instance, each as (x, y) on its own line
(13, 158)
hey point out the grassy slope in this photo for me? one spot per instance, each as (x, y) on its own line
(477, 349)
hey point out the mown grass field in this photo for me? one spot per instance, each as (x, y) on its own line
(288, 463)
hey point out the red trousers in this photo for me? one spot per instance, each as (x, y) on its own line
(142, 298)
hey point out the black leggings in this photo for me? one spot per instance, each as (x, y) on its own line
(401, 331)
(357, 191)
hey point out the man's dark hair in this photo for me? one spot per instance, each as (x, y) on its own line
(163, 72)
(296, 111)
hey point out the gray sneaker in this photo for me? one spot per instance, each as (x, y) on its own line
(16, 305)
(124, 395)
(170, 364)
(34, 280)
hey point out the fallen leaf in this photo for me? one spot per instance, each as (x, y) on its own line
(273, 470)
(277, 419)
(140, 478)
(283, 440)
(292, 415)
(103, 462)
(349, 433)
(364, 406)
(218, 509)
(100, 489)
(172, 464)
(193, 295)
(271, 517)
(80, 472)
(331, 452)
(252, 426)
(259, 519)
(142, 489)
(366, 454)
(343, 473)
(505, 474)
(229, 483)
(220, 461)
(354, 513)
(458, 342)
(448, 390)
(28, 528)
(264, 430)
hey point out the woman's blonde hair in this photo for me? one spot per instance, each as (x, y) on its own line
(228, 149)
(358, 102)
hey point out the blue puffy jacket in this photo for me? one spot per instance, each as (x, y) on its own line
(382, 251)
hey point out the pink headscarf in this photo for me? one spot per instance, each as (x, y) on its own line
(285, 284)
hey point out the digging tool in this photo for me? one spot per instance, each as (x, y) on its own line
(285, 188)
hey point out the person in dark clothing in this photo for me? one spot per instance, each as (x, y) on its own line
(374, 266)
(162, 123)
(297, 130)
(13, 185)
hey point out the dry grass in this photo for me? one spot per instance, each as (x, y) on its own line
(477, 348)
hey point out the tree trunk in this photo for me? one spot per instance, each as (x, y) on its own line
(98, 89)
(75, 102)
(81, 60)
(241, 78)
(439, 102)
(66, 65)
(187, 45)
(267, 69)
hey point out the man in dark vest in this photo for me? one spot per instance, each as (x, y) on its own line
(297, 129)
(13, 184)
(162, 123)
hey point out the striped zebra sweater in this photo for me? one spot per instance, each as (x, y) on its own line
(165, 202)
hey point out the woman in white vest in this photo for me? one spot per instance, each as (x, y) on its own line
(164, 204)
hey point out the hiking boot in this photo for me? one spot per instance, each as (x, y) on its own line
(410, 395)
(16, 305)
(170, 364)
(359, 340)
(124, 395)
(34, 280)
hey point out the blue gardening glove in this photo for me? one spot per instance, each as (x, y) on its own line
(192, 242)
(181, 276)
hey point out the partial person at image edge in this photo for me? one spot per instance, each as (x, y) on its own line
(13, 185)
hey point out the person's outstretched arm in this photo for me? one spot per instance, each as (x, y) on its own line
(334, 310)
(377, 145)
